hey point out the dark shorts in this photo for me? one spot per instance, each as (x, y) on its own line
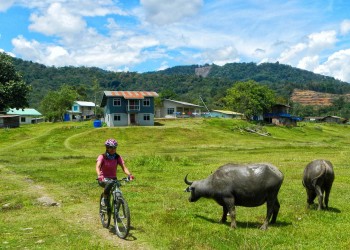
(107, 185)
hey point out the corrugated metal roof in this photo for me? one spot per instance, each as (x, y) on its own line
(131, 94)
(227, 112)
(8, 116)
(184, 103)
(85, 104)
(33, 112)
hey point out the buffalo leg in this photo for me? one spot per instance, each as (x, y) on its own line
(233, 217)
(311, 195)
(276, 209)
(224, 214)
(270, 204)
(319, 193)
(326, 197)
(229, 207)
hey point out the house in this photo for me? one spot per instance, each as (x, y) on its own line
(9, 121)
(81, 110)
(224, 114)
(27, 115)
(333, 119)
(172, 109)
(279, 115)
(123, 108)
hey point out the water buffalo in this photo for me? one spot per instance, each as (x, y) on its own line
(318, 179)
(241, 185)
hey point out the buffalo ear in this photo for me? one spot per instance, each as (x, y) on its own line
(189, 189)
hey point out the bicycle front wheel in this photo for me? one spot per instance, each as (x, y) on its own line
(121, 218)
(105, 214)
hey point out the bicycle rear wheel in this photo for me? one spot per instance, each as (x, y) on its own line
(121, 218)
(105, 214)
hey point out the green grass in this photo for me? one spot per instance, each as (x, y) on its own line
(58, 161)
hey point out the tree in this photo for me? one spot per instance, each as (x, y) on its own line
(56, 103)
(13, 90)
(249, 98)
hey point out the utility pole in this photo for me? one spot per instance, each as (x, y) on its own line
(204, 104)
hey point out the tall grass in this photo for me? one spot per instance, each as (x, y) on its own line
(58, 161)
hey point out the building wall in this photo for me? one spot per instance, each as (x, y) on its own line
(140, 119)
(120, 115)
(282, 121)
(29, 119)
(10, 121)
(176, 107)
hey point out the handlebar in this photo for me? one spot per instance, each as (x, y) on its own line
(126, 179)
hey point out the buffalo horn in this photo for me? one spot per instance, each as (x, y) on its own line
(188, 182)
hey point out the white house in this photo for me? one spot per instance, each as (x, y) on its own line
(171, 109)
(81, 110)
(27, 115)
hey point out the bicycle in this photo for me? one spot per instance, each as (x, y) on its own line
(116, 205)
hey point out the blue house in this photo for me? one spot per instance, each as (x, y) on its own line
(124, 108)
(279, 115)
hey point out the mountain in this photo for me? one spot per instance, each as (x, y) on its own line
(186, 83)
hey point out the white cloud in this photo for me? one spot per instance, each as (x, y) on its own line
(57, 21)
(345, 27)
(337, 66)
(322, 40)
(291, 53)
(5, 4)
(164, 65)
(221, 56)
(309, 63)
(166, 12)
(307, 54)
(48, 55)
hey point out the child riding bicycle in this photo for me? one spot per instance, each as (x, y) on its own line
(106, 168)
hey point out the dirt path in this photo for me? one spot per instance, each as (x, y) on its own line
(82, 215)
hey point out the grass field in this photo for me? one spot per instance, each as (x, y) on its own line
(57, 161)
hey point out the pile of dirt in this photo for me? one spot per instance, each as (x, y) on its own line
(309, 97)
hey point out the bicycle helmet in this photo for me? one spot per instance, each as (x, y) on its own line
(111, 143)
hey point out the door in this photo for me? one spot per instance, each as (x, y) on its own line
(132, 119)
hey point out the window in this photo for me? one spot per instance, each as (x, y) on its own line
(146, 102)
(23, 119)
(116, 118)
(134, 105)
(170, 111)
(146, 117)
(117, 102)
(75, 108)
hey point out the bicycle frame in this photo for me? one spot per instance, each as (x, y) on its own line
(118, 207)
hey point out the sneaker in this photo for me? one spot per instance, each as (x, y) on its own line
(103, 202)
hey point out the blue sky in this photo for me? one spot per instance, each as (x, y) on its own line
(150, 35)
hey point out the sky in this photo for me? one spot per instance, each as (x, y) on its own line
(151, 35)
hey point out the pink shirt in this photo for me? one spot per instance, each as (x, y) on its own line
(109, 167)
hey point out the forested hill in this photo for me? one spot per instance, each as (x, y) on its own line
(280, 77)
(185, 83)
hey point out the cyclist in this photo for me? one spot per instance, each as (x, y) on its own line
(106, 167)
